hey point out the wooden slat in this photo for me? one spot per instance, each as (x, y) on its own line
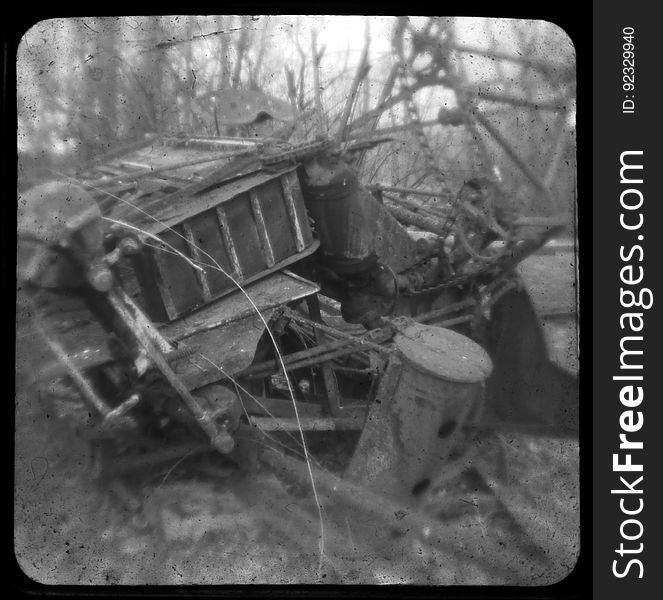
(228, 240)
(166, 296)
(199, 258)
(286, 185)
(268, 252)
(308, 423)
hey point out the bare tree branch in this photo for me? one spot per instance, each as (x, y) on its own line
(362, 70)
(317, 92)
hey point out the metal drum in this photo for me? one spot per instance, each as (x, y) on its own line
(434, 388)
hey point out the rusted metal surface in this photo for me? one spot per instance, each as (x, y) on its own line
(443, 353)
(416, 420)
(352, 224)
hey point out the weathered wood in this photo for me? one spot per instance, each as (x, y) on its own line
(261, 227)
(309, 423)
(331, 385)
(422, 221)
(172, 167)
(407, 190)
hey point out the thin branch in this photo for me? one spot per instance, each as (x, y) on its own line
(362, 71)
(428, 81)
(546, 67)
(317, 92)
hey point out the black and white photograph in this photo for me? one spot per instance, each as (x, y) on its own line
(296, 301)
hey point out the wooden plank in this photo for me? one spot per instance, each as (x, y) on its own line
(291, 207)
(331, 385)
(308, 423)
(230, 244)
(168, 302)
(266, 293)
(266, 245)
(196, 255)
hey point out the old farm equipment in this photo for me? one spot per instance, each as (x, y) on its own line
(187, 299)
(242, 303)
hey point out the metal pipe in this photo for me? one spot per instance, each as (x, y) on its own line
(441, 312)
(309, 362)
(273, 365)
(379, 334)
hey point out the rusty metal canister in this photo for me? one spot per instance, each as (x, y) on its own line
(353, 227)
(416, 424)
(340, 219)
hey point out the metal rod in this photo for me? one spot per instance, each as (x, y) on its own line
(336, 333)
(215, 141)
(310, 362)
(273, 365)
(441, 312)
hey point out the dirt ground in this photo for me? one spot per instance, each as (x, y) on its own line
(196, 529)
(202, 530)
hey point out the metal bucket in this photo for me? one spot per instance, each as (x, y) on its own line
(427, 396)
